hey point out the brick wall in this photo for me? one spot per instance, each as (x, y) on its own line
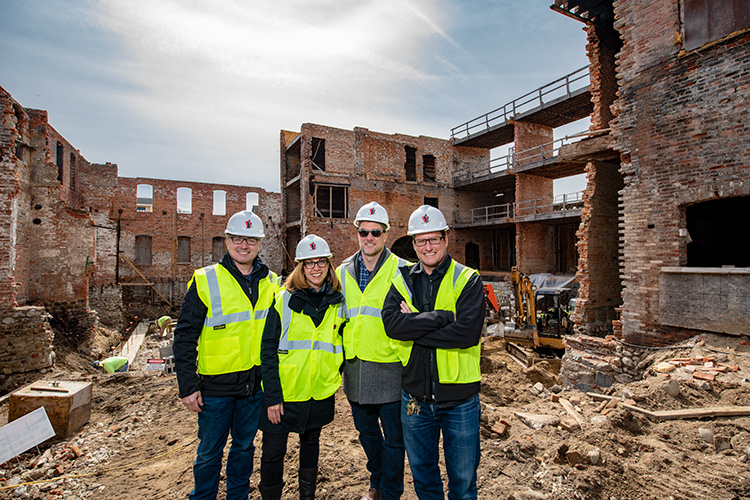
(598, 246)
(164, 225)
(372, 167)
(682, 129)
(25, 340)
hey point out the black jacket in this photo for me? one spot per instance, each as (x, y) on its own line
(303, 415)
(188, 330)
(430, 329)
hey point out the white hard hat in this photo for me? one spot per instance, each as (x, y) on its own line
(312, 246)
(372, 212)
(245, 223)
(426, 219)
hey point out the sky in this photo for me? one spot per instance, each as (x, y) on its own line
(199, 90)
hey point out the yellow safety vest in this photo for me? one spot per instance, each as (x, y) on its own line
(455, 365)
(309, 356)
(364, 334)
(230, 339)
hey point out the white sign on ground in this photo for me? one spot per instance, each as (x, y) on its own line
(24, 433)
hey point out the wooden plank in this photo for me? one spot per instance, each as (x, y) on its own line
(719, 411)
(122, 255)
(573, 413)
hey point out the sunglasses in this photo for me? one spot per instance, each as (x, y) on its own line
(374, 232)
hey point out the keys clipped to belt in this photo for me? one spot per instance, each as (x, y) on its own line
(412, 407)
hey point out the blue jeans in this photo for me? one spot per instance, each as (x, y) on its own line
(218, 416)
(385, 456)
(460, 428)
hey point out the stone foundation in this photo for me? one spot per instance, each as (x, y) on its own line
(593, 363)
(25, 340)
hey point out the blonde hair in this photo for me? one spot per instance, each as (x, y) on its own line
(297, 280)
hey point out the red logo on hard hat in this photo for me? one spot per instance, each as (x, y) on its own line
(425, 218)
(372, 211)
(248, 224)
(313, 246)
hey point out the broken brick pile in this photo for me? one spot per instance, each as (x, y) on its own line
(594, 362)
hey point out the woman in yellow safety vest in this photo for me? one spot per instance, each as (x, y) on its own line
(301, 357)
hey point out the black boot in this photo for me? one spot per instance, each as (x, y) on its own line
(307, 478)
(272, 493)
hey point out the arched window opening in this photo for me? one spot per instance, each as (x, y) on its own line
(59, 162)
(251, 202)
(220, 202)
(183, 250)
(144, 194)
(143, 250)
(218, 249)
(471, 250)
(184, 200)
(403, 248)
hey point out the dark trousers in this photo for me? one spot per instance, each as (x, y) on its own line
(380, 433)
(274, 450)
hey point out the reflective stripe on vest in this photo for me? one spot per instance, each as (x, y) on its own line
(309, 356)
(455, 365)
(232, 329)
(364, 334)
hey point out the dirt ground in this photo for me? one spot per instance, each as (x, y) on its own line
(140, 442)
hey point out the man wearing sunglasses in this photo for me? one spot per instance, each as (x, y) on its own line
(434, 311)
(219, 331)
(372, 371)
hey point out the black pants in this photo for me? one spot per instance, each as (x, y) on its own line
(274, 449)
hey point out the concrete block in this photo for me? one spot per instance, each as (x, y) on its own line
(68, 404)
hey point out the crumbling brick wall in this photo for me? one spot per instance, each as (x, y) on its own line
(373, 166)
(682, 129)
(164, 225)
(25, 340)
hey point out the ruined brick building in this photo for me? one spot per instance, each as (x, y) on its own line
(64, 222)
(654, 239)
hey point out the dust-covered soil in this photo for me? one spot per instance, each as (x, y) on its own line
(140, 441)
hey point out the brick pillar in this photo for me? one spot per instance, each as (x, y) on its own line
(603, 45)
(598, 249)
(535, 251)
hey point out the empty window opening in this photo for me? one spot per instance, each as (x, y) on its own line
(184, 200)
(428, 165)
(715, 237)
(251, 202)
(183, 250)
(318, 155)
(59, 162)
(220, 203)
(218, 249)
(433, 202)
(410, 167)
(144, 194)
(143, 250)
(72, 171)
(404, 248)
(471, 250)
(330, 201)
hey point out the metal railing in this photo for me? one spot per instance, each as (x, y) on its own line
(482, 170)
(546, 151)
(562, 87)
(529, 209)
(485, 215)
